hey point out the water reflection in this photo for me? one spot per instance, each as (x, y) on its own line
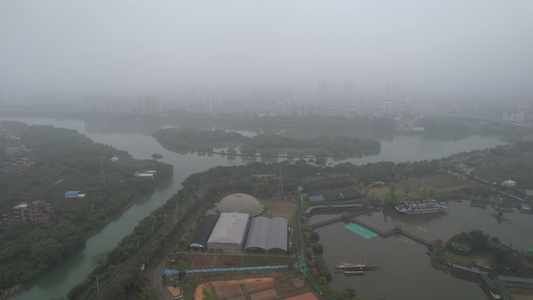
(406, 270)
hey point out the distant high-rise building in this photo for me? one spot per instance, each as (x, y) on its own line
(259, 94)
(514, 116)
(323, 91)
(150, 105)
(348, 91)
(282, 93)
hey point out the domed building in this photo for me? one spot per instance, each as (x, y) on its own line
(241, 203)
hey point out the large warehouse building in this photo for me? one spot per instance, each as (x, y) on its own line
(228, 234)
(242, 203)
(199, 241)
(267, 234)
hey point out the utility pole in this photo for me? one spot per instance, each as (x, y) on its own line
(102, 173)
(280, 180)
(97, 285)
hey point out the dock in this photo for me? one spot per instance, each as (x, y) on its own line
(346, 216)
(350, 217)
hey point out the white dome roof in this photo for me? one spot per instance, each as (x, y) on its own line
(242, 203)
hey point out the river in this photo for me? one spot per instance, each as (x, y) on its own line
(137, 141)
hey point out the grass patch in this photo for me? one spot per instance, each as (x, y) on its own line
(263, 260)
(207, 294)
(281, 208)
(378, 192)
(469, 260)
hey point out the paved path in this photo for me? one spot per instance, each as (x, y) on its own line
(170, 271)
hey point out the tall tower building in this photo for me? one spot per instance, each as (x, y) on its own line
(348, 91)
(323, 91)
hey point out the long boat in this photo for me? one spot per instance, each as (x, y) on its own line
(349, 266)
(353, 272)
(419, 206)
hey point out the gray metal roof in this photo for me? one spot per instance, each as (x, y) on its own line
(277, 236)
(267, 234)
(229, 229)
(258, 233)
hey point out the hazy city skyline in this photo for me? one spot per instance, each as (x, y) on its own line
(431, 49)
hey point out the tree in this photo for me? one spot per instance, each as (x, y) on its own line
(47, 252)
(309, 252)
(181, 274)
(150, 293)
(348, 292)
(479, 240)
(318, 248)
(99, 260)
(320, 161)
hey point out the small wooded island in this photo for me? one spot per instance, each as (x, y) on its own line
(264, 145)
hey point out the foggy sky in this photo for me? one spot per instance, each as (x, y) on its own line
(442, 47)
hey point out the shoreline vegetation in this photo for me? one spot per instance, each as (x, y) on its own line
(436, 179)
(28, 250)
(455, 125)
(263, 145)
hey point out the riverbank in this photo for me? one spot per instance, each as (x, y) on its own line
(62, 160)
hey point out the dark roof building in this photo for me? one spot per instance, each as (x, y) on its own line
(348, 193)
(267, 234)
(199, 241)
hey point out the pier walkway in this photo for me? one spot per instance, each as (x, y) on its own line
(345, 216)
(396, 230)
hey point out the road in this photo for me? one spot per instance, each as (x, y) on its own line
(133, 261)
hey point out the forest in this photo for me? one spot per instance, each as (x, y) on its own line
(62, 160)
(264, 145)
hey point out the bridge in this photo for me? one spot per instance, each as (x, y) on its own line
(346, 216)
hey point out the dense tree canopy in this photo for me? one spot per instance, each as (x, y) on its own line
(192, 139)
(62, 160)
